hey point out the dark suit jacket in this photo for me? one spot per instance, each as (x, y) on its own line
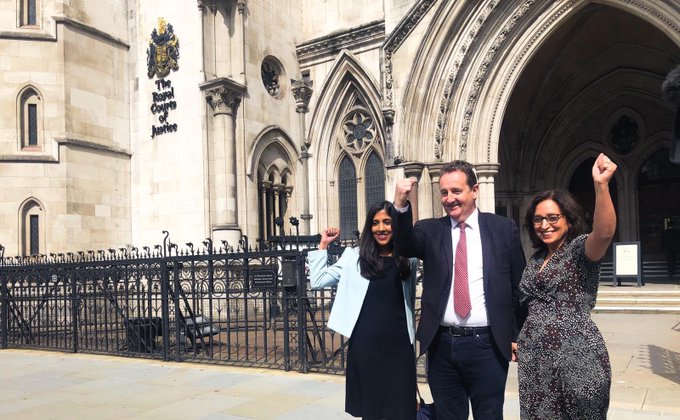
(503, 264)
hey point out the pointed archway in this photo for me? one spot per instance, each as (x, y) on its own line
(346, 136)
(592, 86)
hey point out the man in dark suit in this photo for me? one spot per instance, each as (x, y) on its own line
(470, 313)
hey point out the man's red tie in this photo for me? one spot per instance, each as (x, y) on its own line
(461, 291)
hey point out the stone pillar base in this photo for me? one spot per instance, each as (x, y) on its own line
(305, 225)
(231, 234)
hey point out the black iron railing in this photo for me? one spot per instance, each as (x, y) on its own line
(231, 305)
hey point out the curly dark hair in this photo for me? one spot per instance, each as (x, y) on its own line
(569, 207)
(370, 262)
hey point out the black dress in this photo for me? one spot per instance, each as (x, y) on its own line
(381, 374)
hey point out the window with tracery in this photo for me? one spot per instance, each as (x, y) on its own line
(375, 180)
(359, 130)
(361, 173)
(347, 187)
(624, 134)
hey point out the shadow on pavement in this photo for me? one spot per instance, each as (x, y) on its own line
(664, 362)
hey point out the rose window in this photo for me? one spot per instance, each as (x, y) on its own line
(359, 130)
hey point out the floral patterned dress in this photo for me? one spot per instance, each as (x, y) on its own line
(564, 370)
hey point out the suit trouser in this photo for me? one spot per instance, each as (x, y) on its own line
(466, 368)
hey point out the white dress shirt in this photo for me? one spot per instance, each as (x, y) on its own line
(477, 316)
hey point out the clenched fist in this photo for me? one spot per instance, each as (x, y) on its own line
(328, 236)
(603, 169)
(404, 187)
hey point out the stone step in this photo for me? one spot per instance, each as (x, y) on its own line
(638, 301)
(641, 302)
(639, 292)
(670, 310)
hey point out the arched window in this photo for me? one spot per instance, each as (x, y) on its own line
(30, 120)
(374, 176)
(361, 172)
(29, 13)
(31, 221)
(274, 155)
(273, 204)
(347, 183)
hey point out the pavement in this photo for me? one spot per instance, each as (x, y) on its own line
(644, 351)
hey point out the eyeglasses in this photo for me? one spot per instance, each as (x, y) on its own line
(551, 218)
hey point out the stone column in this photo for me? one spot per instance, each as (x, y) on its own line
(435, 172)
(261, 210)
(268, 209)
(224, 96)
(276, 208)
(240, 40)
(302, 91)
(486, 173)
(414, 170)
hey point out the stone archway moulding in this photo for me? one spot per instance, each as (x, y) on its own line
(487, 98)
(488, 61)
(345, 71)
(270, 135)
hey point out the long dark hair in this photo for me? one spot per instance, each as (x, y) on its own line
(569, 207)
(370, 262)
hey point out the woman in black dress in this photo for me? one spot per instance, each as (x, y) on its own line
(374, 308)
(564, 370)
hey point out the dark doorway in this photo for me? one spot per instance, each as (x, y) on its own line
(658, 200)
(581, 186)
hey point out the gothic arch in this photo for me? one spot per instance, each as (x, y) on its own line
(433, 77)
(29, 117)
(567, 166)
(657, 141)
(31, 227)
(271, 166)
(270, 138)
(349, 98)
(558, 139)
(486, 101)
(347, 73)
(482, 64)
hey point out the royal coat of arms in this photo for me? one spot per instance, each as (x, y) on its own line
(163, 52)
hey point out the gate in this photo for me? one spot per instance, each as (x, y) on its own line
(220, 305)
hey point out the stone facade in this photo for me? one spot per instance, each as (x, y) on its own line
(312, 110)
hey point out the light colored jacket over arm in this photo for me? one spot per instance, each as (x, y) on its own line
(352, 288)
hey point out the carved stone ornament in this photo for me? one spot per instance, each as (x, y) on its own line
(450, 86)
(223, 95)
(624, 135)
(359, 131)
(163, 52)
(302, 91)
(329, 45)
(397, 37)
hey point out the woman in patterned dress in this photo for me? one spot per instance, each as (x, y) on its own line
(564, 370)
